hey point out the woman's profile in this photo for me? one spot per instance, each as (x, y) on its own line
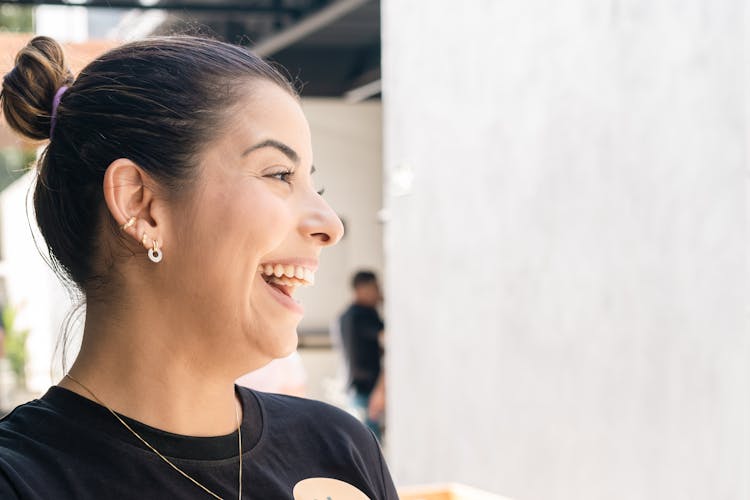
(177, 194)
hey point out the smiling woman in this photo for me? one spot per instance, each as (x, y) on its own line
(176, 193)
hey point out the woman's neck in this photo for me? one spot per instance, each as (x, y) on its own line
(150, 368)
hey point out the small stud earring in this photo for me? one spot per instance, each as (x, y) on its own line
(154, 253)
(144, 239)
(128, 224)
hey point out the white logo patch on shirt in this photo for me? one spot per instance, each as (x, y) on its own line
(325, 488)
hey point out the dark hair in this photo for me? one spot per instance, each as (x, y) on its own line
(363, 278)
(157, 102)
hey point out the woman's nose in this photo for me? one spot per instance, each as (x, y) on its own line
(322, 224)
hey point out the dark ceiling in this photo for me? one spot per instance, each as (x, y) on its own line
(331, 47)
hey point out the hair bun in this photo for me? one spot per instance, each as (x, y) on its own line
(30, 87)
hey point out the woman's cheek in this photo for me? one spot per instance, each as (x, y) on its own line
(273, 222)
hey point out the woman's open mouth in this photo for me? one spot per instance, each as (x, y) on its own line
(282, 281)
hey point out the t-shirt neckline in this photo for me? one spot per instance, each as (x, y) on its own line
(98, 419)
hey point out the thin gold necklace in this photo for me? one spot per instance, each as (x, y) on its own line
(239, 439)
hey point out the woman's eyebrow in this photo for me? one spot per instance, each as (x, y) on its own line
(272, 143)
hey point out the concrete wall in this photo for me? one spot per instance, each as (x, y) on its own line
(567, 247)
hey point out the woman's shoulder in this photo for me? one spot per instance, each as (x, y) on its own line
(18, 424)
(302, 410)
(321, 441)
(311, 417)
(24, 445)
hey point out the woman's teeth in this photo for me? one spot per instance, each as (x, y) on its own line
(287, 275)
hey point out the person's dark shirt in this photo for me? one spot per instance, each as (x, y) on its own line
(64, 446)
(360, 327)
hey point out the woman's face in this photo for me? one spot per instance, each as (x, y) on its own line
(255, 215)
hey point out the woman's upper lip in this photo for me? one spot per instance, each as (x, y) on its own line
(311, 264)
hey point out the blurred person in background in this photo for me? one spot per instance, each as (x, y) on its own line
(362, 336)
(176, 194)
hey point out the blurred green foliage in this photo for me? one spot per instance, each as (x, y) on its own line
(13, 164)
(16, 18)
(15, 345)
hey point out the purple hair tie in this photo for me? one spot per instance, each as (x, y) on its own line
(55, 104)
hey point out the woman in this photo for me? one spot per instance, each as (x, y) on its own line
(176, 193)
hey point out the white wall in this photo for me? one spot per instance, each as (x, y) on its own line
(347, 143)
(567, 270)
(64, 23)
(32, 287)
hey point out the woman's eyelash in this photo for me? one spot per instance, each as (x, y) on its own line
(282, 176)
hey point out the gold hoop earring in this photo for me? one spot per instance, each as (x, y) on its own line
(128, 224)
(155, 254)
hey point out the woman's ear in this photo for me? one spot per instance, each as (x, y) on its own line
(130, 201)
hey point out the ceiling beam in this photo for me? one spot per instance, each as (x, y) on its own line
(236, 6)
(306, 26)
(364, 92)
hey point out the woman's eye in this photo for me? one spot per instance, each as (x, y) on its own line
(282, 176)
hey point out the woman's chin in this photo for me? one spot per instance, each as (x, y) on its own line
(289, 347)
(279, 343)
(274, 327)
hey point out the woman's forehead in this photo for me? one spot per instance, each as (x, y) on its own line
(270, 113)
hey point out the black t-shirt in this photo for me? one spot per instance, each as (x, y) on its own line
(64, 446)
(360, 326)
